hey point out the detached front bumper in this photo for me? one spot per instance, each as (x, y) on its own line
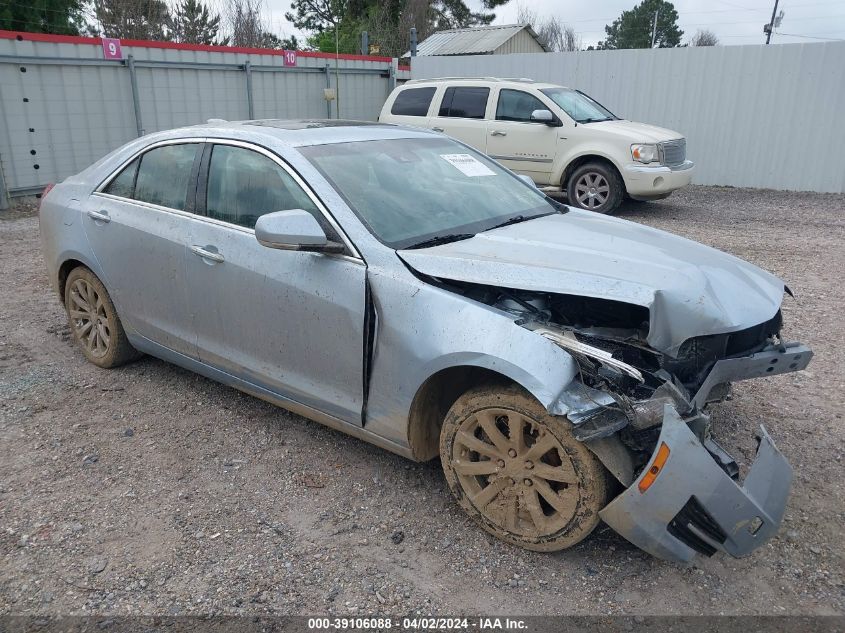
(694, 506)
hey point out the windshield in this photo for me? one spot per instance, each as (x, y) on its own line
(421, 191)
(580, 107)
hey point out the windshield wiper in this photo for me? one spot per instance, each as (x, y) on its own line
(442, 239)
(514, 220)
(594, 120)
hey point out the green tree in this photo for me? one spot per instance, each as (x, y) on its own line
(387, 21)
(192, 23)
(289, 43)
(320, 15)
(64, 17)
(132, 19)
(633, 28)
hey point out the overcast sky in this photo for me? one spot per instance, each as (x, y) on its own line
(733, 21)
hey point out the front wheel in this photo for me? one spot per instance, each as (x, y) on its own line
(519, 472)
(595, 187)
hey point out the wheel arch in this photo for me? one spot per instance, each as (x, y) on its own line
(436, 396)
(69, 261)
(583, 159)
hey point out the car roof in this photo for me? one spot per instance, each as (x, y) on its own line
(294, 132)
(520, 82)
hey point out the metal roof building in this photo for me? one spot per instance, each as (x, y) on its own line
(482, 40)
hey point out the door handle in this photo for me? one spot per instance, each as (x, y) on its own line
(437, 129)
(206, 254)
(498, 133)
(99, 216)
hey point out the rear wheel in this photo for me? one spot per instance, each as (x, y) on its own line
(93, 321)
(595, 187)
(519, 472)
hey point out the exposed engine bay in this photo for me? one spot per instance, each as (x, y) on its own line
(626, 382)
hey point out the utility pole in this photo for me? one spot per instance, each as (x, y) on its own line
(654, 28)
(768, 28)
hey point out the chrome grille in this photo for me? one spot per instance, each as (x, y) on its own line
(673, 152)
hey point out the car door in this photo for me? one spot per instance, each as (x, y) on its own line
(525, 146)
(138, 225)
(288, 321)
(461, 115)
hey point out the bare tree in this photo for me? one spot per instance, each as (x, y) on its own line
(571, 40)
(703, 37)
(246, 25)
(551, 31)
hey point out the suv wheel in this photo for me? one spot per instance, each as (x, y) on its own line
(518, 472)
(93, 321)
(595, 187)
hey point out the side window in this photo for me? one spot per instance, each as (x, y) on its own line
(164, 175)
(413, 102)
(466, 103)
(123, 184)
(243, 185)
(515, 105)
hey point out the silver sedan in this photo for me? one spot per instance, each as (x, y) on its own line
(403, 288)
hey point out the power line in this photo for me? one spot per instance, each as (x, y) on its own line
(812, 37)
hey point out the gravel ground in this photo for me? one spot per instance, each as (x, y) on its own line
(152, 490)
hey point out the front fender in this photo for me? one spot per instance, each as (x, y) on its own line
(423, 329)
(604, 151)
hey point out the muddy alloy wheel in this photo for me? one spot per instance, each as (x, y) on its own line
(93, 320)
(518, 472)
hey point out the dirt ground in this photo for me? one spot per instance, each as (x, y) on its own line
(151, 490)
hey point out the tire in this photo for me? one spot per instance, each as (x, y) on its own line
(599, 186)
(93, 321)
(542, 501)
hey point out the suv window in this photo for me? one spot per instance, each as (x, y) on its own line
(413, 102)
(467, 103)
(164, 174)
(516, 105)
(243, 185)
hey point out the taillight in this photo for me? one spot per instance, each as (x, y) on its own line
(45, 192)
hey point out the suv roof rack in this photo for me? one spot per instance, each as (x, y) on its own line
(416, 81)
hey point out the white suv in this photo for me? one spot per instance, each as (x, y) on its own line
(559, 137)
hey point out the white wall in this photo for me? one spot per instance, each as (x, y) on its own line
(754, 116)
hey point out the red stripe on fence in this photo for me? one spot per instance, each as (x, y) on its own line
(96, 41)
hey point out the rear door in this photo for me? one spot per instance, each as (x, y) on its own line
(138, 226)
(525, 146)
(461, 114)
(291, 322)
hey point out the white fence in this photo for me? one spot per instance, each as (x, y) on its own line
(754, 116)
(63, 105)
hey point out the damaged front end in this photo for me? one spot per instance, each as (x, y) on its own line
(643, 413)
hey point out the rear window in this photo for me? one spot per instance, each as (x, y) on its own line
(465, 103)
(413, 102)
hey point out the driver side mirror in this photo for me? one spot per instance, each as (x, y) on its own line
(544, 116)
(294, 230)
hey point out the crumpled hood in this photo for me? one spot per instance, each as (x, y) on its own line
(635, 132)
(690, 289)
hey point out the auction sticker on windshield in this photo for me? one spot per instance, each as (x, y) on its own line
(468, 164)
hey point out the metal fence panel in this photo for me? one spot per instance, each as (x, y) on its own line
(63, 106)
(754, 116)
